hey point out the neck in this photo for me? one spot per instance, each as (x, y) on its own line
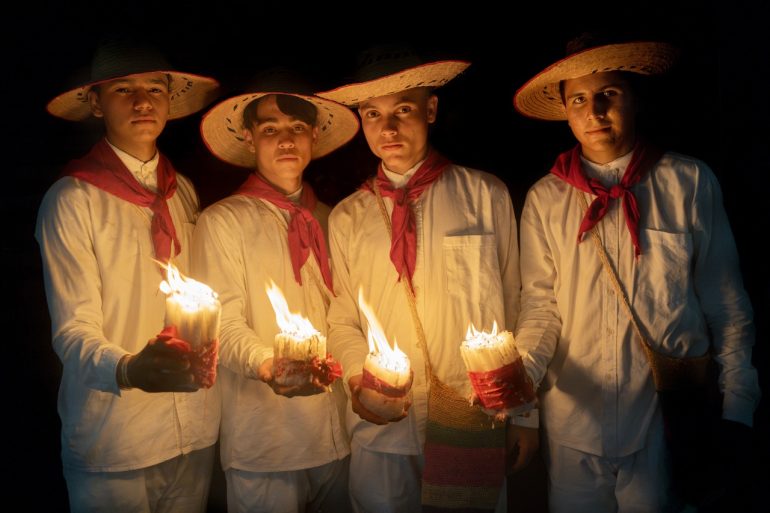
(139, 150)
(608, 155)
(285, 186)
(401, 168)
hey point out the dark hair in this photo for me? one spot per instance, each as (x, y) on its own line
(292, 106)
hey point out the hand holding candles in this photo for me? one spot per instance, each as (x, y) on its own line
(387, 376)
(300, 356)
(497, 371)
(192, 323)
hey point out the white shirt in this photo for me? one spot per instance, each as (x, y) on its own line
(102, 289)
(596, 393)
(240, 244)
(466, 271)
(144, 172)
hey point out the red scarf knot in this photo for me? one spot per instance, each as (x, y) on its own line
(305, 233)
(102, 168)
(403, 244)
(569, 168)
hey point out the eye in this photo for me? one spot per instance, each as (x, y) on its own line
(298, 129)
(123, 90)
(157, 90)
(269, 130)
(371, 114)
(404, 109)
(610, 93)
(577, 100)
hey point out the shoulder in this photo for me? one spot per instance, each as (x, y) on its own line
(231, 209)
(347, 210)
(474, 178)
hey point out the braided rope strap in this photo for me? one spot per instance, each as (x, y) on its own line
(464, 447)
(668, 372)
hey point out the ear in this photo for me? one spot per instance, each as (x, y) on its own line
(249, 139)
(432, 108)
(93, 102)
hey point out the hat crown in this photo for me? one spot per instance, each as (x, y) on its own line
(122, 57)
(280, 80)
(384, 60)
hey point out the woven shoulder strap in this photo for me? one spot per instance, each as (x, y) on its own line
(406, 282)
(668, 372)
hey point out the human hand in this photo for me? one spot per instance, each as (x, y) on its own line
(266, 375)
(159, 367)
(355, 390)
(521, 444)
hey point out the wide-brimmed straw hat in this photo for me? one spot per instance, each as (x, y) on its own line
(222, 126)
(540, 97)
(388, 70)
(118, 58)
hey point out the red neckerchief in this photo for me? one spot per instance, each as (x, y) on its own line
(305, 232)
(403, 244)
(102, 168)
(569, 168)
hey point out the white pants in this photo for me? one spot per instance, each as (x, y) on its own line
(316, 489)
(382, 482)
(180, 484)
(581, 482)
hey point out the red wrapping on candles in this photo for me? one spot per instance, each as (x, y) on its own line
(203, 361)
(325, 370)
(506, 387)
(372, 382)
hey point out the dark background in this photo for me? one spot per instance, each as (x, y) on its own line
(713, 105)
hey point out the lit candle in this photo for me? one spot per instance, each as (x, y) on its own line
(297, 346)
(387, 371)
(193, 310)
(497, 371)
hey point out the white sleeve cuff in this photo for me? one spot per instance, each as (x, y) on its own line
(530, 419)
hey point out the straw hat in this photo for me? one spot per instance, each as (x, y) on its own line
(540, 97)
(222, 126)
(387, 70)
(120, 58)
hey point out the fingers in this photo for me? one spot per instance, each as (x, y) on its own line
(304, 390)
(364, 413)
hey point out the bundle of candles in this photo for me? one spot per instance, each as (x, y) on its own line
(497, 371)
(192, 323)
(299, 349)
(387, 376)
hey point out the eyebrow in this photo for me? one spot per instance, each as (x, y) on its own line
(606, 86)
(292, 119)
(403, 99)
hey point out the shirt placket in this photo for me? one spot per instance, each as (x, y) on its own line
(611, 238)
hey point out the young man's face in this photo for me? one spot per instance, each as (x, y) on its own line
(135, 110)
(283, 145)
(396, 126)
(601, 111)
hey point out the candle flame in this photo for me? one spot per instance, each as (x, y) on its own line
(191, 295)
(290, 323)
(391, 358)
(476, 338)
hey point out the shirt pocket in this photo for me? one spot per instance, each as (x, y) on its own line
(473, 278)
(664, 274)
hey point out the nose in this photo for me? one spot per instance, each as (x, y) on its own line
(390, 126)
(286, 139)
(598, 106)
(142, 100)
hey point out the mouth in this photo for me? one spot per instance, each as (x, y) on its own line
(287, 157)
(139, 121)
(391, 146)
(599, 130)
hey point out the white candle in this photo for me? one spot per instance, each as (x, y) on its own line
(192, 307)
(296, 345)
(497, 371)
(385, 391)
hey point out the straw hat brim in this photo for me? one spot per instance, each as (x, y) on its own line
(433, 74)
(540, 98)
(189, 93)
(222, 128)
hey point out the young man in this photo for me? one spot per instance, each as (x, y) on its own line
(278, 453)
(660, 219)
(102, 228)
(454, 243)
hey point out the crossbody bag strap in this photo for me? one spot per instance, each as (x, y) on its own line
(406, 282)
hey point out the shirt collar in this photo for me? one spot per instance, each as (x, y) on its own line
(399, 180)
(144, 172)
(611, 171)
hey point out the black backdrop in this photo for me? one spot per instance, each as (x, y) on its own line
(713, 105)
